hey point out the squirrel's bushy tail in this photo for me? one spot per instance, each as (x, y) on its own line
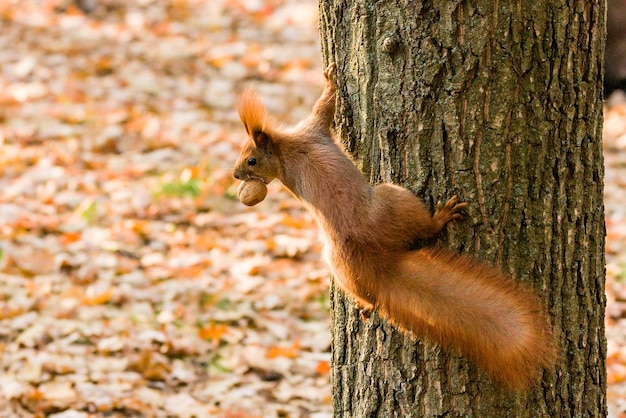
(474, 309)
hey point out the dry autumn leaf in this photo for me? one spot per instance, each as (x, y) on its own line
(288, 352)
(323, 367)
(152, 365)
(212, 332)
(97, 298)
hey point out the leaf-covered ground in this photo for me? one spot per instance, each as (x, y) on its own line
(614, 136)
(132, 282)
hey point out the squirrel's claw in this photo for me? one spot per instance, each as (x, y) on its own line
(329, 73)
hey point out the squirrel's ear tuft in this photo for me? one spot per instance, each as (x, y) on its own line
(261, 139)
(252, 112)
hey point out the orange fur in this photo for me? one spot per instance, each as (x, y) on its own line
(252, 112)
(449, 298)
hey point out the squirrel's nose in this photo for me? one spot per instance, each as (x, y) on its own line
(236, 175)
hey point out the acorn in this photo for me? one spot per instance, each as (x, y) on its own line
(251, 192)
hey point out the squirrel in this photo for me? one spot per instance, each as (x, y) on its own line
(452, 299)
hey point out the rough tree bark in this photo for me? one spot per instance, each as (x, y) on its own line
(501, 103)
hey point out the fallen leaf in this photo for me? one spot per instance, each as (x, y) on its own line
(213, 332)
(288, 352)
(323, 367)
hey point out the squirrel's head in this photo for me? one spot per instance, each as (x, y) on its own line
(258, 158)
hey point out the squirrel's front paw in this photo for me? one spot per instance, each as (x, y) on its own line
(330, 72)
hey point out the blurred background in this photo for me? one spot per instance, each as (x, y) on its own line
(132, 281)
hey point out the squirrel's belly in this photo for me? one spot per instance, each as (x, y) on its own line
(347, 277)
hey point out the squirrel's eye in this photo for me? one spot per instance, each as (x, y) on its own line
(252, 161)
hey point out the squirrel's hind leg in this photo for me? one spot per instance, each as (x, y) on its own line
(449, 211)
(407, 217)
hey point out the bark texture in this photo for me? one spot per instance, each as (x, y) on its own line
(500, 103)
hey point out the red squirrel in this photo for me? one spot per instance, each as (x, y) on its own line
(451, 299)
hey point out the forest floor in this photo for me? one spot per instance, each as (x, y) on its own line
(614, 137)
(132, 281)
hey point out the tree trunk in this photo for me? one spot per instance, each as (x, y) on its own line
(501, 103)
